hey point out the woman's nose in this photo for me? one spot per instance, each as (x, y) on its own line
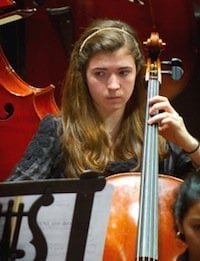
(113, 82)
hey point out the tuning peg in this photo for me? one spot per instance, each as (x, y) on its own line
(176, 71)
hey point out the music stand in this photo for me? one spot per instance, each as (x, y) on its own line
(84, 189)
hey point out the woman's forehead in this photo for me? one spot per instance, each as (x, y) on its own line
(121, 57)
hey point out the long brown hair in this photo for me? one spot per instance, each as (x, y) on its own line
(85, 142)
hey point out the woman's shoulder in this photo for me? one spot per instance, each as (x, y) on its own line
(41, 153)
(50, 124)
(50, 119)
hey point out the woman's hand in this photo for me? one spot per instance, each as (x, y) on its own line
(170, 124)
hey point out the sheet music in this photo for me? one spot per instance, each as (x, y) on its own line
(55, 222)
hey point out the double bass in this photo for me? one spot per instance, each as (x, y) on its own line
(141, 224)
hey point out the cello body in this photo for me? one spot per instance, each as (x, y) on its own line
(121, 235)
(21, 108)
(6, 3)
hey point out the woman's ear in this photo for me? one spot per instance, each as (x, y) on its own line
(180, 233)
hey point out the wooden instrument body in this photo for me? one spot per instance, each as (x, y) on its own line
(122, 227)
(21, 108)
(6, 3)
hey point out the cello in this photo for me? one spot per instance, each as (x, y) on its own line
(22, 106)
(6, 3)
(141, 225)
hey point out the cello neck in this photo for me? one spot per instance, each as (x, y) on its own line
(147, 239)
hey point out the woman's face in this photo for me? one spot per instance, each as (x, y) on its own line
(111, 78)
(191, 230)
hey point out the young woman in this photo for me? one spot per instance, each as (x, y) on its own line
(187, 216)
(101, 124)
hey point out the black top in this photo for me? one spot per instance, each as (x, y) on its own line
(43, 160)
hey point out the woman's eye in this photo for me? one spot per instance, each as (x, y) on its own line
(124, 73)
(99, 73)
(196, 227)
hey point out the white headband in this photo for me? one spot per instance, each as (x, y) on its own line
(100, 30)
